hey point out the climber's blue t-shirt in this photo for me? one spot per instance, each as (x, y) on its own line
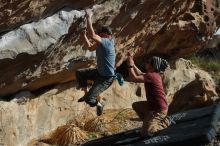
(105, 53)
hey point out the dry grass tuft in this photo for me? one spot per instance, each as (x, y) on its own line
(74, 132)
(82, 118)
(96, 124)
(67, 135)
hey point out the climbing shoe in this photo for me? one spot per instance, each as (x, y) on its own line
(81, 99)
(99, 109)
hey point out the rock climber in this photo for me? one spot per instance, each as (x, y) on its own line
(104, 74)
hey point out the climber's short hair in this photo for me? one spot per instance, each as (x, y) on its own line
(105, 29)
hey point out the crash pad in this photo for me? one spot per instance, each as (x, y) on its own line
(193, 127)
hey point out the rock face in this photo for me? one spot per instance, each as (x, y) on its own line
(15, 13)
(23, 121)
(183, 74)
(189, 87)
(39, 37)
(199, 92)
(29, 117)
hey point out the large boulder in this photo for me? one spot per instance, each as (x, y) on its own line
(38, 38)
(199, 92)
(188, 87)
(15, 13)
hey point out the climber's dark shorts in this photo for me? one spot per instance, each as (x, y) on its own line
(100, 84)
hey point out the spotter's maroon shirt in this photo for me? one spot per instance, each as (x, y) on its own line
(155, 92)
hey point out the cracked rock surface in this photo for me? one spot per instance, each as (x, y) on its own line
(38, 38)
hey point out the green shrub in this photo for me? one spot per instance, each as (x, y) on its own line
(209, 65)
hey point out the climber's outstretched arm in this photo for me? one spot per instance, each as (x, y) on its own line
(90, 29)
(89, 45)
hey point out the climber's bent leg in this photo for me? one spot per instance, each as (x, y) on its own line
(100, 85)
(83, 75)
